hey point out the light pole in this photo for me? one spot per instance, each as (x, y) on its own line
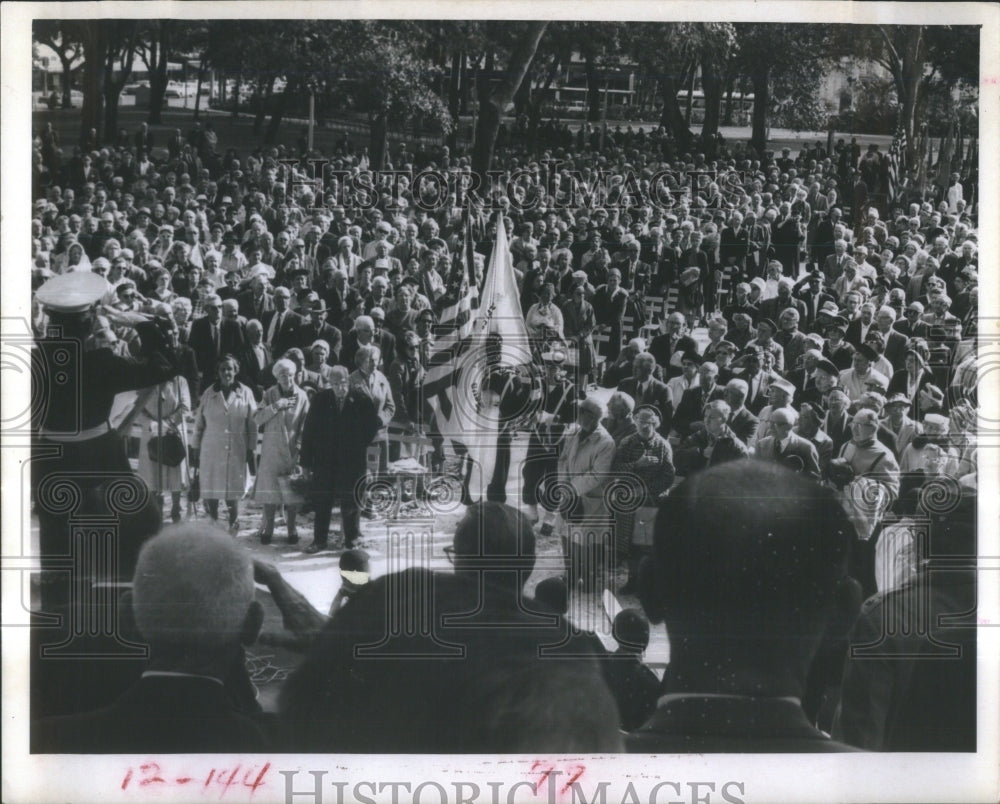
(312, 118)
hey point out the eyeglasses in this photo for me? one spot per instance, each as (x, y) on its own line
(449, 551)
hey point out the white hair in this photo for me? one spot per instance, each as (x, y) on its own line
(283, 364)
(193, 586)
(366, 351)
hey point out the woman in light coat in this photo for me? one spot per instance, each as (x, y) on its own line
(225, 437)
(282, 413)
(164, 413)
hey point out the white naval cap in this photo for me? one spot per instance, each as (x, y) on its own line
(75, 292)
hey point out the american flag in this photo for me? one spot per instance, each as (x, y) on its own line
(897, 157)
(454, 368)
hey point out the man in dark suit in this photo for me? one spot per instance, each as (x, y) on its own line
(836, 263)
(281, 324)
(212, 337)
(858, 328)
(741, 421)
(645, 389)
(365, 332)
(382, 338)
(809, 290)
(802, 377)
(144, 138)
(193, 602)
(690, 409)
(772, 308)
(316, 329)
(895, 341)
(912, 325)
(822, 241)
(758, 245)
(790, 450)
(838, 422)
(255, 362)
(712, 444)
(737, 686)
(756, 378)
(673, 341)
(255, 301)
(340, 425)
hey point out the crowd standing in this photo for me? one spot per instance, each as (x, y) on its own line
(841, 347)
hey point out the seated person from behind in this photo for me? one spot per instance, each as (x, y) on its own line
(193, 601)
(731, 549)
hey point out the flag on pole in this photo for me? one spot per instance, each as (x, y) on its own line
(454, 384)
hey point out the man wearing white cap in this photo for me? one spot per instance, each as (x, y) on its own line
(72, 398)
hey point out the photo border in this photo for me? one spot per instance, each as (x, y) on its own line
(869, 777)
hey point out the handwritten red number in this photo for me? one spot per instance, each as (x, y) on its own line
(578, 771)
(257, 782)
(152, 774)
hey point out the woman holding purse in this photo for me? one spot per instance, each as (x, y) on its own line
(225, 437)
(162, 418)
(281, 414)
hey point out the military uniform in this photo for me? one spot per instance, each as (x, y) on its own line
(559, 401)
(75, 449)
(512, 391)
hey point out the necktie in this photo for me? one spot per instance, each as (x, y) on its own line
(216, 337)
(275, 328)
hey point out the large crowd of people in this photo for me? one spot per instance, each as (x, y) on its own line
(763, 347)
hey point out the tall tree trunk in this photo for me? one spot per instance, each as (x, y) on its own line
(761, 99)
(378, 141)
(278, 112)
(907, 61)
(672, 119)
(690, 92)
(465, 86)
(522, 98)
(111, 94)
(454, 99)
(236, 93)
(67, 78)
(945, 156)
(158, 75)
(197, 93)
(727, 115)
(262, 105)
(113, 86)
(711, 83)
(593, 90)
(92, 81)
(492, 106)
(538, 101)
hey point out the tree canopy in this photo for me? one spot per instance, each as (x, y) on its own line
(434, 71)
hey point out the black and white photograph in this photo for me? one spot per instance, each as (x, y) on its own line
(500, 403)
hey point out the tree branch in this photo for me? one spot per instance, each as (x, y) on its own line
(896, 62)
